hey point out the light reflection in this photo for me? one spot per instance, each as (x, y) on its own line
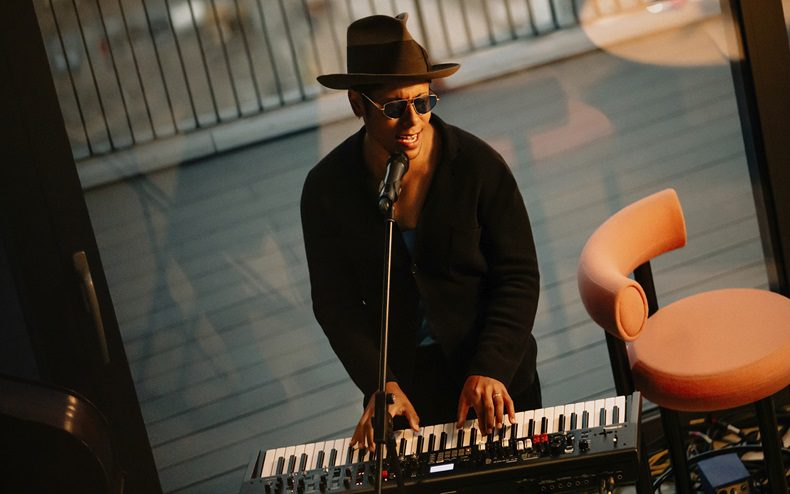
(70, 414)
(668, 33)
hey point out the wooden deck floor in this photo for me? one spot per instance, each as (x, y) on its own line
(207, 270)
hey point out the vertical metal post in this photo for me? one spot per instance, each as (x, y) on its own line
(249, 56)
(181, 62)
(71, 78)
(276, 73)
(203, 59)
(759, 61)
(115, 71)
(93, 75)
(137, 70)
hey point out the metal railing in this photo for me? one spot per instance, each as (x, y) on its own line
(133, 71)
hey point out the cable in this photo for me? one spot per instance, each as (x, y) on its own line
(710, 454)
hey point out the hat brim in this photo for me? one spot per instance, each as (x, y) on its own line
(347, 81)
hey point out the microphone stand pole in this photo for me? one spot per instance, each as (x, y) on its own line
(382, 420)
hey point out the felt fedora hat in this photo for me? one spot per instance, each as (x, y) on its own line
(380, 50)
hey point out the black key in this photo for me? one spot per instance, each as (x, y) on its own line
(303, 462)
(332, 457)
(574, 418)
(602, 417)
(513, 432)
(502, 432)
(362, 454)
(350, 455)
(472, 436)
(291, 464)
(585, 419)
(280, 465)
(531, 428)
(443, 441)
(319, 461)
(420, 443)
(402, 447)
(544, 425)
(431, 443)
(561, 423)
(459, 434)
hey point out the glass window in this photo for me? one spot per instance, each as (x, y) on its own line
(194, 124)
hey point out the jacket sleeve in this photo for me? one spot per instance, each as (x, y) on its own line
(347, 319)
(512, 283)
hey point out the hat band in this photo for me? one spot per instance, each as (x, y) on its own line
(395, 57)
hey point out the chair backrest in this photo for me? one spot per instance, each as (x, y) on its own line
(632, 236)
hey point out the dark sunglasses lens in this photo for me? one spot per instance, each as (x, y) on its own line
(394, 109)
(425, 104)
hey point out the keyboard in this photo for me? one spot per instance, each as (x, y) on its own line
(563, 447)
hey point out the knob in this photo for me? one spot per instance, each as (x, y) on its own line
(584, 444)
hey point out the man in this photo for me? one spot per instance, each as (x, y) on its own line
(464, 286)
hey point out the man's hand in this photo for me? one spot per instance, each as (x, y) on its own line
(490, 400)
(363, 434)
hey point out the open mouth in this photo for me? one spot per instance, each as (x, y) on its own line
(408, 139)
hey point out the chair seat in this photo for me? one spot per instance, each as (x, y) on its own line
(715, 350)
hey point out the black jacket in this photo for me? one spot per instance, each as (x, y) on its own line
(474, 265)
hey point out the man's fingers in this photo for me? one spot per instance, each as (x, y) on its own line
(510, 407)
(499, 405)
(463, 411)
(371, 446)
(489, 414)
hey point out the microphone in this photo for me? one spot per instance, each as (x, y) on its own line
(397, 166)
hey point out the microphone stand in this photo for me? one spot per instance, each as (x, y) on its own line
(382, 419)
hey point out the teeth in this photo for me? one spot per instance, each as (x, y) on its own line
(409, 138)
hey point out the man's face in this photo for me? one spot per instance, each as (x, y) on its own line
(391, 135)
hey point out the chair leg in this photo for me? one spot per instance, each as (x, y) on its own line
(766, 416)
(670, 419)
(644, 484)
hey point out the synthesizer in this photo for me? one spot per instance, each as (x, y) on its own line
(587, 446)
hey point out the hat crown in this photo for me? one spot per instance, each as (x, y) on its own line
(377, 29)
(380, 44)
(380, 50)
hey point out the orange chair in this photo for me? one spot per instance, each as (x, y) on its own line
(707, 352)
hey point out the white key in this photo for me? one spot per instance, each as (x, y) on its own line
(482, 438)
(298, 451)
(578, 409)
(449, 429)
(408, 436)
(280, 453)
(569, 409)
(343, 452)
(337, 444)
(620, 403)
(559, 410)
(424, 435)
(311, 452)
(599, 405)
(524, 425)
(427, 431)
(549, 414)
(268, 461)
(539, 414)
(589, 407)
(289, 451)
(468, 425)
(609, 405)
(519, 424)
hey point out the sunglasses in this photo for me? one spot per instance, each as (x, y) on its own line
(395, 109)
